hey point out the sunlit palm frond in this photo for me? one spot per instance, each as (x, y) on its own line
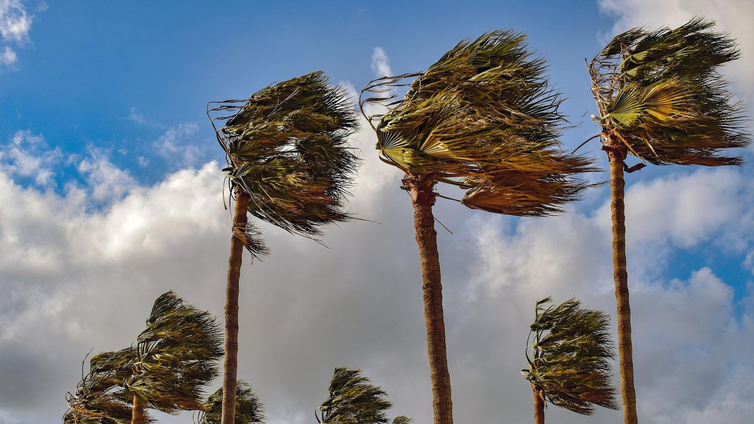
(569, 357)
(659, 94)
(286, 148)
(485, 119)
(249, 409)
(353, 400)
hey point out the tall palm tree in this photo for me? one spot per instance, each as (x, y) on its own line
(166, 368)
(249, 409)
(354, 400)
(483, 119)
(289, 165)
(661, 99)
(569, 359)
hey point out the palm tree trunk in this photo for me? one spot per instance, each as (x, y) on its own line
(137, 412)
(616, 154)
(231, 311)
(423, 198)
(539, 408)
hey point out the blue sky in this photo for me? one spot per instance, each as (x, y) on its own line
(110, 184)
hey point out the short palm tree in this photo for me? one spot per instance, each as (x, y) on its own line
(289, 165)
(354, 400)
(483, 119)
(166, 368)
(569, 358)
(249, 409)
(99, 396)
(661, 99)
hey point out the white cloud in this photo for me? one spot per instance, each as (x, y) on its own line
(380, 63)
(27, 155)
(175, 146)
(15, 25)
(106, 181)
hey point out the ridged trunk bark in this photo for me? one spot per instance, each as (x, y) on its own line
(616, 154)
(230, 364)
(423, 198)
(539, 408)
(137, 412)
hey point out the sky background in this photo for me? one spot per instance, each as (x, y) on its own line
(111, 194)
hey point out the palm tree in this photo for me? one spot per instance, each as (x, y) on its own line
(99, 396)
(661, 99)
(166, 368)
(354, 400)
(249, 409)
(569, 360)
(289, 165)
(483, 119)
(175, 358)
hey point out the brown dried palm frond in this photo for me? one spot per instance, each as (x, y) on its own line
(569, 357)
(659, 94)
(286, 148)
(485, 119)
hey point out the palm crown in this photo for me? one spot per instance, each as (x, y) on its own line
(353, 400)
(482, 118)
(660, 97)
(249, 409)
(166, 368)
(286, 148)
(569, 357)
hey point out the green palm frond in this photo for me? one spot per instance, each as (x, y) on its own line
(569, 356)
(482, 118)
(249, 409)
(99, 397)
(402, 419)
(659, 94)
(353, 400)
(176, 356)
(286, 148)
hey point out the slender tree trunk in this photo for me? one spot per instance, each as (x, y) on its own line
(539, 408)
(420, 187)
(231, 311)
(137, 412)
(616, 154)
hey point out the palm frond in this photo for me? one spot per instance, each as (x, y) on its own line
(483, 118)
(286, 147)
(660, 96)
(569, 356)
(249, 409)
(177, 356)
(353, 400)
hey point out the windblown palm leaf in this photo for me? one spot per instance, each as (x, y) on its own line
(286, 148)
(482, 118)
(353, 400)
(100, 397)
(660, 96)
(249, 409)
(176, 356)
(569, 357)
